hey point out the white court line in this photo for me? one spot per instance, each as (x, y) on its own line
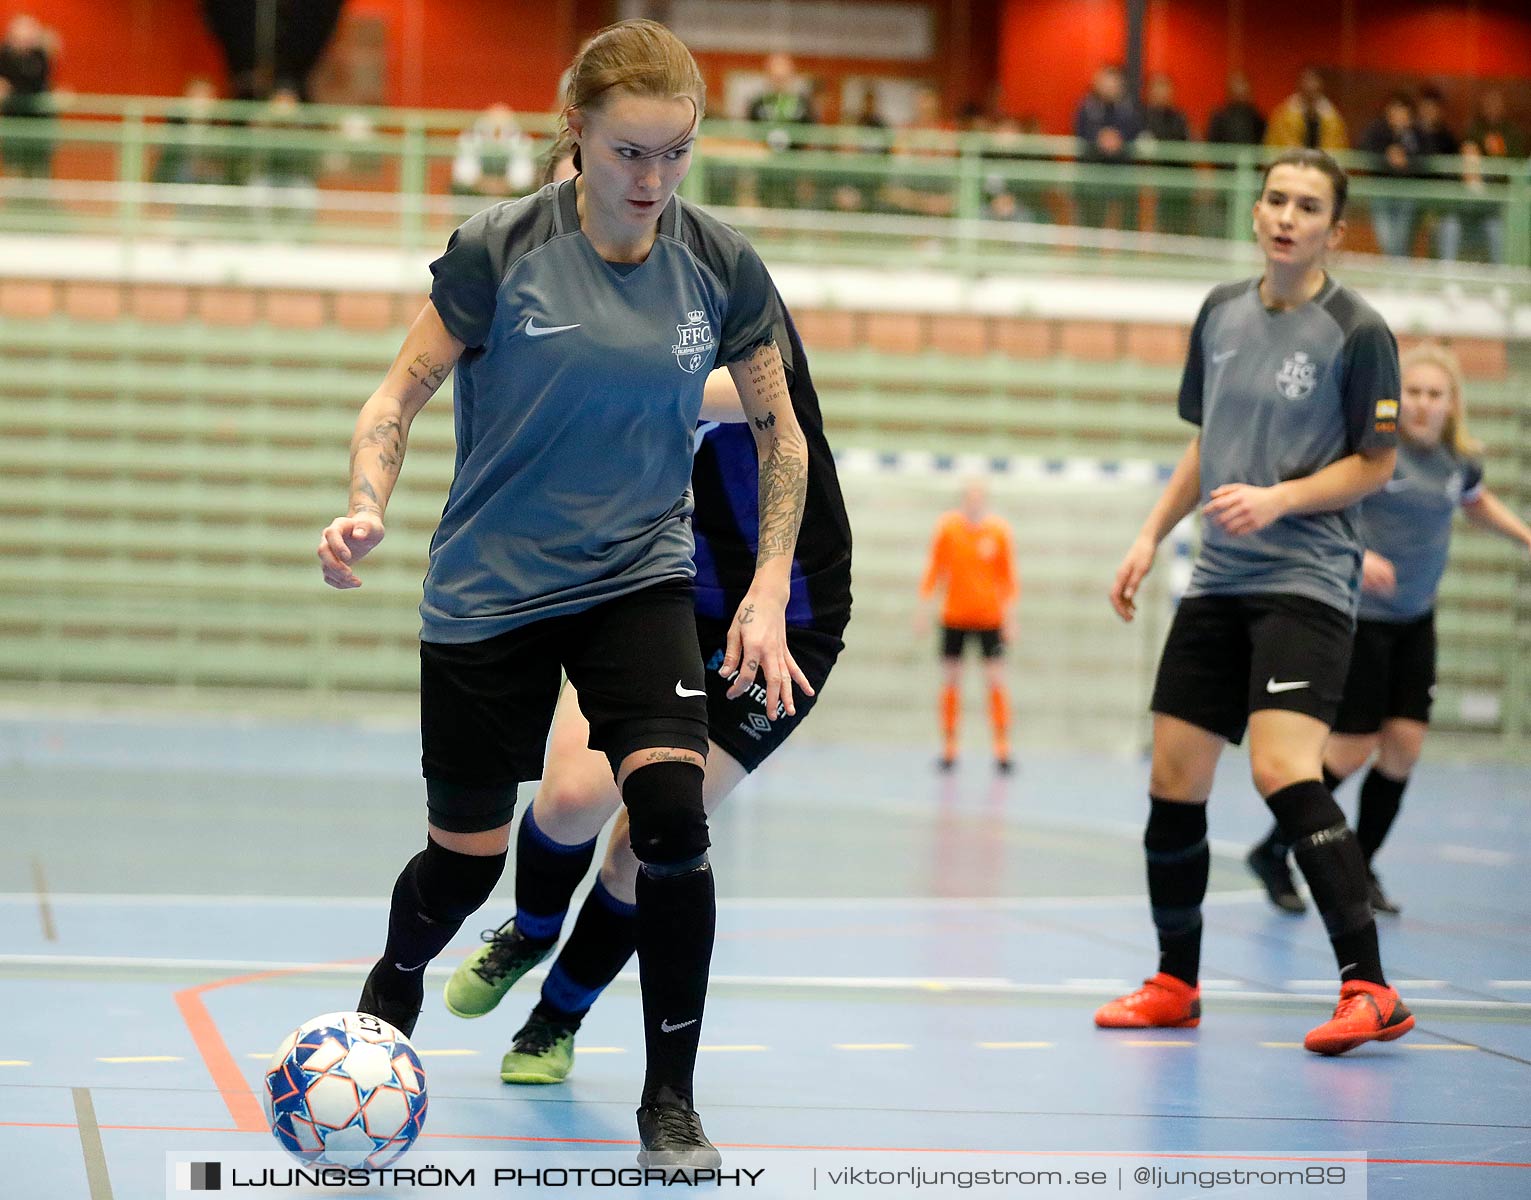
(869, 983)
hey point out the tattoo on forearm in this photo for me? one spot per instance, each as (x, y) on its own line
(386, 441)
(428, 374)
(783, 491)
(784, 471)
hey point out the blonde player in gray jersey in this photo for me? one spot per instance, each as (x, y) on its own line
(1407, 528)
(582, 322)
(1292, 382)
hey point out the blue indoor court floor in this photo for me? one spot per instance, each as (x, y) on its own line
(905, 963)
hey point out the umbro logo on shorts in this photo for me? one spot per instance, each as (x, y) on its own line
(1274, 688)
(535, 330)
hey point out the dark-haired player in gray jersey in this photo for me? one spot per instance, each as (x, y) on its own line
(1292, 382)
(1407, 531)
(583, 322)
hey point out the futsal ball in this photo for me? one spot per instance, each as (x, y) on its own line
(347, 1090)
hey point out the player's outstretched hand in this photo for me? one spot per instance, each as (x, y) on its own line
(344, 540)
(757, 648)
(1137, 564)
(1378, 575)
(1242, 508)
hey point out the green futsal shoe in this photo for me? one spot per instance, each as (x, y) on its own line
(543, 1052)
(483, 978)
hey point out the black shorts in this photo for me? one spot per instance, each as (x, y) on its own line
(990, 643)
(1392, 674)
(1229, 656)
(740, 726)
(486, 707)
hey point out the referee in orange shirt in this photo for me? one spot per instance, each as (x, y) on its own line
(974, 555)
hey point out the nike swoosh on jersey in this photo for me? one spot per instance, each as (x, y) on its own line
(1223, 356)
(684, 692)
(1273, 687)
(535, 330)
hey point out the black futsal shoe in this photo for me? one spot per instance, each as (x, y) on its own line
(1270, 867)
(673, 1139)
(400, 1008)
(1003, 766)
(1381, 902)
(946, 764)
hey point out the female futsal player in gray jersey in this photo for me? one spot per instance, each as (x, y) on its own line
(1407, 530)
(583, 322)
(1292, 382)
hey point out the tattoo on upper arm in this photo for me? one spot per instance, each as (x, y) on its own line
(428, 374)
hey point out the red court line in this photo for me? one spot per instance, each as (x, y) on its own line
(248, 1114)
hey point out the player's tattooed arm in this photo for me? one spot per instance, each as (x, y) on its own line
(762, 384)
(424, 361)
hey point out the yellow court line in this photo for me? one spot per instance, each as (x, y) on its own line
(732, 1049)
(143, 1058)
(1016, 1045)
(874, 1046)
(600, 1050)
(1282, 1045)
(1436, 1046)
(444, 1053)
(14, 1062)
(1156, 1042)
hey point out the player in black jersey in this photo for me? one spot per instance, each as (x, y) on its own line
(556, 844)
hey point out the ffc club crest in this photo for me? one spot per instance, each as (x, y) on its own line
(1298, 377)
(693, 345)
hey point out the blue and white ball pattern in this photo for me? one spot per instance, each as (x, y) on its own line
(345, 1089)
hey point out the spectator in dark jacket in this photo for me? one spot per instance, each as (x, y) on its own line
(1238, 122)
(26, 70)
(1393, 138)
(1106, 125)
(1163, 122)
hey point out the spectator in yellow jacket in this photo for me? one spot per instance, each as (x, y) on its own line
(1307, 118)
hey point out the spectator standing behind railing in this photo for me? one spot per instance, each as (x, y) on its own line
(1491, 128)
(1437, 140)
(285, 177)
(859, 194)
(1475, 213)
(1393, 138)
(1163, 122)
(1307, 118)
(198, 152)
(1237, 123)
(494, 157)
(784, 107)
(26, 70)
(1107, 124)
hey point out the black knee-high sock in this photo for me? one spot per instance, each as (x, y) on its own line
(547, 872)
(1175, 845)
(604, 938)
(677, 916)
(435, 893)
(1330, 858)
(1381, 797)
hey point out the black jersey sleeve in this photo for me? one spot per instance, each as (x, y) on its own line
(1371, 387)
(1193, 378)
(466, 280)
(1472, 481)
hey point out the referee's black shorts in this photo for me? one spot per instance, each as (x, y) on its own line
(740, 726)
(1392, 674)
(1229, 656)
(486, 707)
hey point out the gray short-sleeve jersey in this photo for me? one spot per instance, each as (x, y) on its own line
(1280, 395)
(1409, 523)
(575, 403)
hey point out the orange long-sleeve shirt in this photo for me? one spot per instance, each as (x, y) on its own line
(977, 562)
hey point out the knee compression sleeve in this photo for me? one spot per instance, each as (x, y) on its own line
(668, 822)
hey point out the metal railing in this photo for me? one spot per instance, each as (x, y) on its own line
(383, 177)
